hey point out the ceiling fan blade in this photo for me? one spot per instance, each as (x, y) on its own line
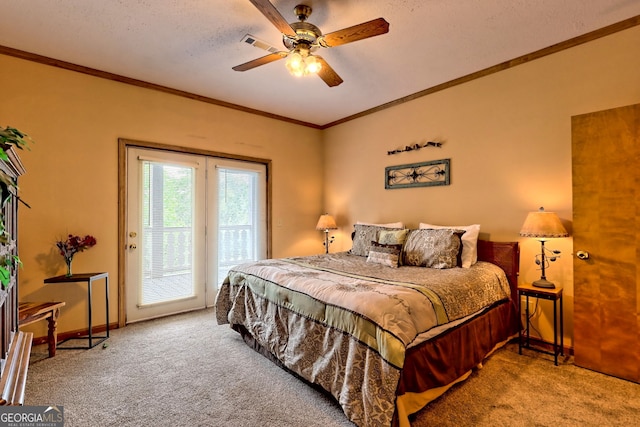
(260, 61)
(274, 16)
(365, 30)
(327, 74)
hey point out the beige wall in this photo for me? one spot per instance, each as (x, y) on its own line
(508, 136)
(71, 181)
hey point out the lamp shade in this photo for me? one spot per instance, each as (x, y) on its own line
(326, 222)
(543, 224)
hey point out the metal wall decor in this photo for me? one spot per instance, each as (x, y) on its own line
(425, 174)
(415, 147)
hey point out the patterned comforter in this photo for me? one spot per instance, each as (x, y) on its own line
(345, 324)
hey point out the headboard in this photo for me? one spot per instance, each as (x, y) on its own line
(505, 255)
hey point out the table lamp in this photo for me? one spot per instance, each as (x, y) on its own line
(326, 223)
(543, 225)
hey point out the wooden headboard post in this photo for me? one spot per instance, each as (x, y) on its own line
(505, 255)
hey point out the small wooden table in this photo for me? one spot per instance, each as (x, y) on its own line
(553, 294)
(88, 278)
(31, 312)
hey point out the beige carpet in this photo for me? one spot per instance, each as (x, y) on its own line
(186, 370)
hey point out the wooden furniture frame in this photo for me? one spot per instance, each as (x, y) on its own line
(31, 312)
(15, 346)
(14, 374)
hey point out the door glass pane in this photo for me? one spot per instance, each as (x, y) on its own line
(167, 240)
(238, 218)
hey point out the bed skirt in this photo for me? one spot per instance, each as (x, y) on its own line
(432, 367)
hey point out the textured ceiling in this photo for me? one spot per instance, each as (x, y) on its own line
(192, 45)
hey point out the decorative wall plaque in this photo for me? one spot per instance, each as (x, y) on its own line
(425, 174)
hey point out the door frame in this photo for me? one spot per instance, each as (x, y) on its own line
(123, 144)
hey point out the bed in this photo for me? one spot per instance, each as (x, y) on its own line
(383, 340)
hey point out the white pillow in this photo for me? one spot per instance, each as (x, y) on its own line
(469, 241)
(389, 225)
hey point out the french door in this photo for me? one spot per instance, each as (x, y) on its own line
(189, 219)
(237, 194)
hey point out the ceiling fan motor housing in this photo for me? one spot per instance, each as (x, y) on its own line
(305, 33)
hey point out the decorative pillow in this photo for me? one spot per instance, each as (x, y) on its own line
(388, 225)
(388, 255)
(389, 246)
(362, 237)
(395, 237)
(469, 241)
(432, 248)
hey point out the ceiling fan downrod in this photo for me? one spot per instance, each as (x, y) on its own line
(302, 11)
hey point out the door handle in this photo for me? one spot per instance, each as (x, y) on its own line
(583, 255)
(132, 246)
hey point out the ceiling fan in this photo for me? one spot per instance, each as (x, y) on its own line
(303, 38)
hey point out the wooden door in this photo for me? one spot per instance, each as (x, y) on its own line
(606, 217)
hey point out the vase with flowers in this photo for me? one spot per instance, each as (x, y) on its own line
(74, 244)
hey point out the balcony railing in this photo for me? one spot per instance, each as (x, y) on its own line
(168, 253)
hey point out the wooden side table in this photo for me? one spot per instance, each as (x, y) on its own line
(555, 295)
(88, 278)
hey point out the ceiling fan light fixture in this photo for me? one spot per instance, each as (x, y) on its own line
(300, 65)
(295, 64)
(312, 65)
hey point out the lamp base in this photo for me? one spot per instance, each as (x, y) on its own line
(543, 283)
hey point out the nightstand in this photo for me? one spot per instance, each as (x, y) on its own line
(555, 295)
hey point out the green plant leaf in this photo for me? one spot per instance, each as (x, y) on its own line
(5, 277)
(16, 261)
(13, 136)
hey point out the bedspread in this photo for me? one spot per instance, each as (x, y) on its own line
(345, 324)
